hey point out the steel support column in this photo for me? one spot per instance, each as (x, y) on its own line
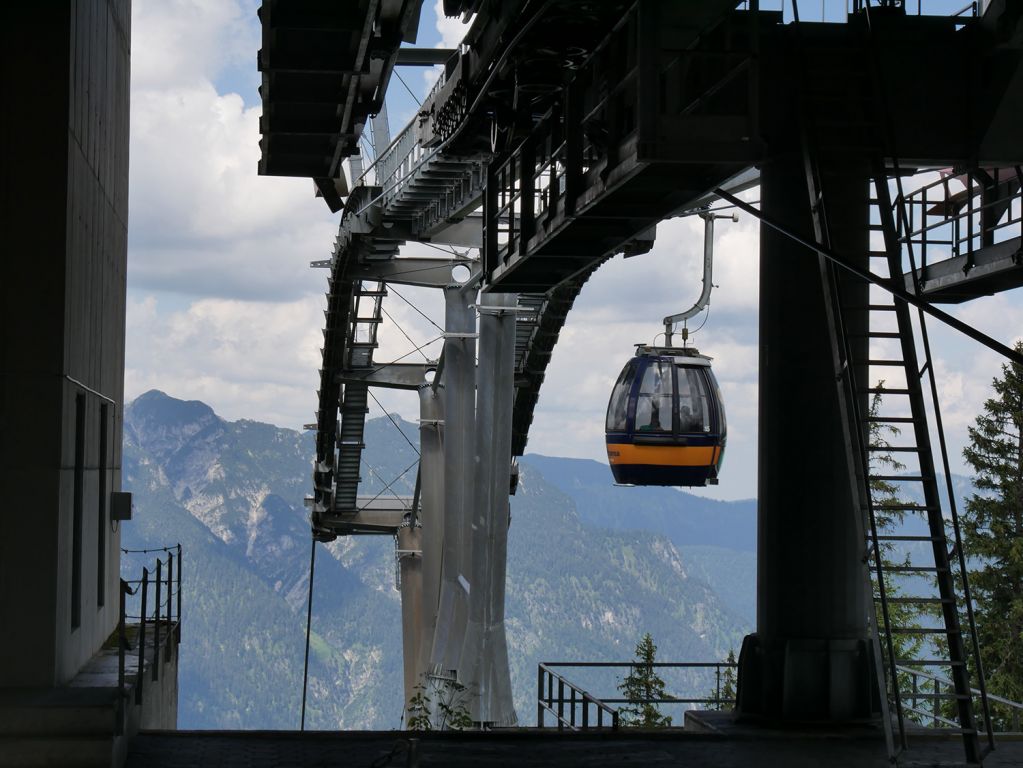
(484, 660)
(810, 657)
(410, 569)
(431, 516)
(459, 455)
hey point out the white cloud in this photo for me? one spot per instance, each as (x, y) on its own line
(451, 30)
(186, 42)
(201, 219)
(246, 359)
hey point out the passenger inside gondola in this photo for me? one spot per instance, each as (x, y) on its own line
(653, 404)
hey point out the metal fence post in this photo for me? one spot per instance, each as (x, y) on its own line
(142, 636)
(157, 611)
(122, 641)
(177, 629)
(539, 697)
(170, 589)
(561, 704)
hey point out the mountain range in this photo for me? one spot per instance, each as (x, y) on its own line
(591, 568)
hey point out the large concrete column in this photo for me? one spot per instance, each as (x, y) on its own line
(810, 657)
(484, 660)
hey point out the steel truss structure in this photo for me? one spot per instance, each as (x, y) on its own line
(559, 134)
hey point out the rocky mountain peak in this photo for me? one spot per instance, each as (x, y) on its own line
(161, 424)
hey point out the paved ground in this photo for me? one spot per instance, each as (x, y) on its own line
(531, 748)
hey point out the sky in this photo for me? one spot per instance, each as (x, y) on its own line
(223, 306)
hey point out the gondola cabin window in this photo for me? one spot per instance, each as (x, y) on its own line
(653, 403)
(618, 409)
(693, 405)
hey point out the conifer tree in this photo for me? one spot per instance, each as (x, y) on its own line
(728, 684)
(992, 532)
(642, 684)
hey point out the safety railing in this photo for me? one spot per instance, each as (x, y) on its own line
(575, 708)
(929, 699)
(960, 213)
(158, 604)
(838, 10)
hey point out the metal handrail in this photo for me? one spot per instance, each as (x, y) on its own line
(572, 696)
(1015, 707)
(164, 617)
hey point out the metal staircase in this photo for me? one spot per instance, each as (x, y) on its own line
(922, 603)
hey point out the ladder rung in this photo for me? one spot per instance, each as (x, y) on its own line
(904, 478)
(923, 631)
(877, 307)
(929, 663)
(890, 363)
(894, 448)
(915, 569)
(890, 419)
(885, 391)
(877, 335)
(920, 600)
(951, 696)
(372, 294)
(909, 538)
(905, 507)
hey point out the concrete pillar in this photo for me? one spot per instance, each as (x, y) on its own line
(484, 658)
(810, 656)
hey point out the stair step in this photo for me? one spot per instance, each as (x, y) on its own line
(49, 750)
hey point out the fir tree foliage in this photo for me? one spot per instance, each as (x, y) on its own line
(729, 690)
(992, 532)
(642, 684)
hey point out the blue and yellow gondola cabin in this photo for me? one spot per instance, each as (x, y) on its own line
(666, 421)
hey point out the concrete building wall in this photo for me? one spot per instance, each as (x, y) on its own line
(64, 200)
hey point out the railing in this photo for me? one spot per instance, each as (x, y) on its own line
(1006, 715)
(162, 615)
(958, 214)
(838, 10)
(575, 708)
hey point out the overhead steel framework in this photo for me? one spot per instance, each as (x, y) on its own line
(559, 134)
